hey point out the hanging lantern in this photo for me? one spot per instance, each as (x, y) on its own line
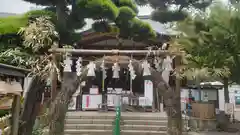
(67, 64)
(91, 69)
(103, 70)
(79, 66)
(16, 88)
(131, 70)
(116, 70)
(146, 68)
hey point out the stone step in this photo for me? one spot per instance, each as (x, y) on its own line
(144, 122)
(110, 132)
(110, 127)
(89, 117)
(89, 121)
(122, 122)
(144, 127)
(113, 117)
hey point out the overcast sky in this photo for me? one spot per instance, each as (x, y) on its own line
(19, 6)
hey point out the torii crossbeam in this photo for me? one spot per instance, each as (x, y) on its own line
(114, 51)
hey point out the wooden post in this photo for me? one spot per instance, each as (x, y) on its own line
(54, 76)
(16, 106)
(178, 116)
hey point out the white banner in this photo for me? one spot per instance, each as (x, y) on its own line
(148, 92)
(91, 101)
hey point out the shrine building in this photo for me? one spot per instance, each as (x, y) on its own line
(135, 83)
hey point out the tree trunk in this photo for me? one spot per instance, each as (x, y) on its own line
(60, 105)
(173, 109)
(31, 105)
(172, 102)
(226, 92)
(61, 12)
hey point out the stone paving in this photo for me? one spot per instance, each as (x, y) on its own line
(211, 133)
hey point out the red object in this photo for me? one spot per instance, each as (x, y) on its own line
(88, 101)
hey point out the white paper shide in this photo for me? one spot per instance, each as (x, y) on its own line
(103, 68)
(146, 68)
(67, 64)
(79, 66)
(131, 70)
(167, 68)
(116, 70)
(91, 69)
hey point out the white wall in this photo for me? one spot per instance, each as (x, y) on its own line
(232, 89)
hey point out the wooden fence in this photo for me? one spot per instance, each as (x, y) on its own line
(5, 125)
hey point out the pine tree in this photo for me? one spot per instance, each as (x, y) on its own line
(173, 10)
(108, 15)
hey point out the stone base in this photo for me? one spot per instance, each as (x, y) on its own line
(202, 125)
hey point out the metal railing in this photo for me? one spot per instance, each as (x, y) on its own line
(117, 129)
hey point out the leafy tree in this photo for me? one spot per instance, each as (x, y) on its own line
(39, 36)
(11, 48)
(211, 40)
(18, 49)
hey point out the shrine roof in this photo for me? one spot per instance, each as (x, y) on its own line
(12, 70)
(97, 40)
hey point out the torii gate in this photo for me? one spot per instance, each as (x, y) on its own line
(161, 53)
(164, 53)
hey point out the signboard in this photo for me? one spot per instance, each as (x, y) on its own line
(125, 100)
(229, 108)
(142, 101)
(205, 96)
(118, 90)
(110, 99)
(91, 101)
(148, 92)
(93, 91)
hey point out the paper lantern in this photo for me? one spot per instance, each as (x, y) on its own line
(4, 87)
(16, 88)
